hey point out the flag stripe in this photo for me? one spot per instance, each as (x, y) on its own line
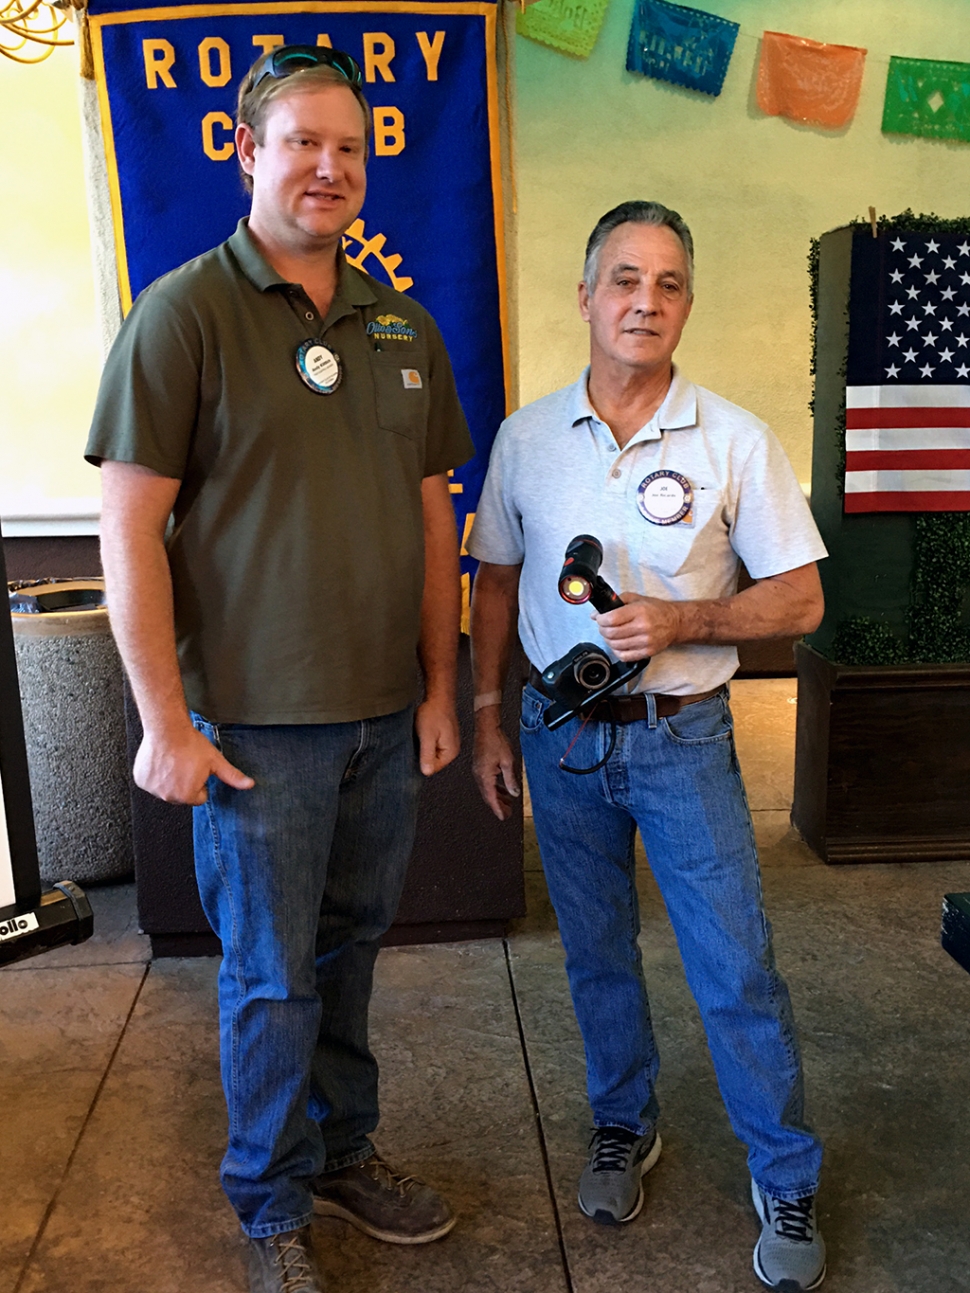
(862, 438)
(908, 417)
(871, 482)
(909, 501)
(902, 397)
(934, 460)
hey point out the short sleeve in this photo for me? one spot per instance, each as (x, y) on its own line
(148, 399)
(773, 529)
(497, 534)
(448, 442)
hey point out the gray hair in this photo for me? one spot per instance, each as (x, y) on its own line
(650, 213)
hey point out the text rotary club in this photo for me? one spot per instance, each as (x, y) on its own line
(213, 64)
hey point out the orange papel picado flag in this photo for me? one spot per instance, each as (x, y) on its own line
(809, 81)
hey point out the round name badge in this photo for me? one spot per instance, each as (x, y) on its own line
(318, 366)
(665, 497)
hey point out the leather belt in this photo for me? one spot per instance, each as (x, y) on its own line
(630, 709)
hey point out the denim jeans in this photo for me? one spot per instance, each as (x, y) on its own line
(300, 877)
(678, 780)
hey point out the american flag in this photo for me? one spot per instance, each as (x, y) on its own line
(907, 414)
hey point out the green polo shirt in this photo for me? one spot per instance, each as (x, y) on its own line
(297, 550)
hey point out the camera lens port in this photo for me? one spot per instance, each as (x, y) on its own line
(592, 671)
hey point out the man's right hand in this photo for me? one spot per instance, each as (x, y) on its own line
(494, 768)
(176, 767)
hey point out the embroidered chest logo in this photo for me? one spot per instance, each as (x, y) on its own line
(388, 327)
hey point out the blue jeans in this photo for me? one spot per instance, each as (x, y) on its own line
(300, 877)
(678, 780)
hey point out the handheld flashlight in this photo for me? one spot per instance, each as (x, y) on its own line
(584, 556)
(580, 580)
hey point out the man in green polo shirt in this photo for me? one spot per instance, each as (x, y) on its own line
(296, 420)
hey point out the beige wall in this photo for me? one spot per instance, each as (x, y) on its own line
(49, 340)
(588, 135)
(754, 189)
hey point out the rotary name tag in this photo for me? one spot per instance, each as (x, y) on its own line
(665, 497)
(318, 366)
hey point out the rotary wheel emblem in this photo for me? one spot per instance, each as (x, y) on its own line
(374, 247)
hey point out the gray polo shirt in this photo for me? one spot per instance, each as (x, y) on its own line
(297, 554)
(556, 471)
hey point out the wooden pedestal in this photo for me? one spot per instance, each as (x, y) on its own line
(882, 760)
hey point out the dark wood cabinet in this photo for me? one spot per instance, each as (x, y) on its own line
(882, 760)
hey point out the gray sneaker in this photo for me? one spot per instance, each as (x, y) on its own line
(610, 1189)
(382, 1203)
(284, 1264)
(790, 1255)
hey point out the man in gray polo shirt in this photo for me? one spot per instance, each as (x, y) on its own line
(300, 439)
(678, 485)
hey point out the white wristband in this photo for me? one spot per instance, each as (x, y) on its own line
(485, 699)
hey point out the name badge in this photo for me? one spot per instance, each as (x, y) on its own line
(319, 367)
(664, 497)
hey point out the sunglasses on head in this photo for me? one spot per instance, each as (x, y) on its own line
(286, 59)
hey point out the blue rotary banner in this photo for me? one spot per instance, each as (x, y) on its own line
(432, 223)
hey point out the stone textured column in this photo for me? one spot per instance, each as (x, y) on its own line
(73, 705)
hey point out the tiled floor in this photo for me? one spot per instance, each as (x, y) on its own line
(112, 1119)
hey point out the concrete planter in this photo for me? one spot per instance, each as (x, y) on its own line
(73, 704)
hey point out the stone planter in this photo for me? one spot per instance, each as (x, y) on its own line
(73, 705)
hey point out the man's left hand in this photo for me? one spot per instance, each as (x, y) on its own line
(642, 627)
(436, 725)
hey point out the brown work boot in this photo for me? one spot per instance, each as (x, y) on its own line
(383, 1204)
(284, 1264)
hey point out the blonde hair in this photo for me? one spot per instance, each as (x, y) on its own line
(254, 101)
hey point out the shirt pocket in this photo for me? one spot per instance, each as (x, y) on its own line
(401, 391)
(686, 546)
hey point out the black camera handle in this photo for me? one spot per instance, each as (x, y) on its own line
(603, 597)
(559, 713)
(604, 600)
(580, 582)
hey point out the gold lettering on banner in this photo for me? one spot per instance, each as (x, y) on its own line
(466, 580)
(324, 39)
(266, 43)
(217, 152)
(214, 45)
(469, 522)
(379, 49)
(431, 51)
(159, 55)
(388, 132)
(466, 604)
(455, 486)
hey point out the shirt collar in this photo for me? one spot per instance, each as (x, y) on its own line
(678, 410)
(580, 409)
(352, 287)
